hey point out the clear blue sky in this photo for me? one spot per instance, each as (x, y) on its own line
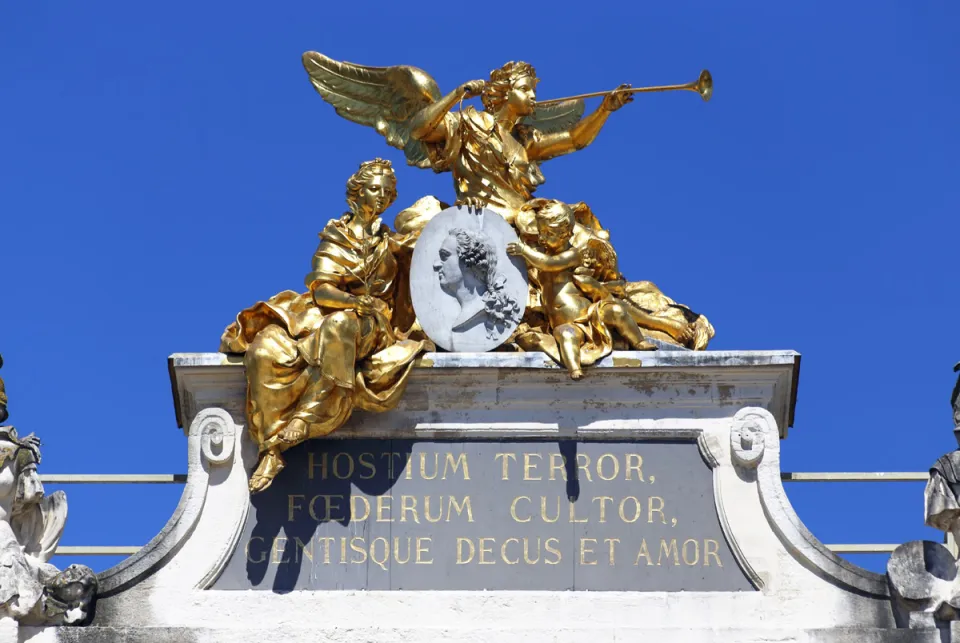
(164, 165)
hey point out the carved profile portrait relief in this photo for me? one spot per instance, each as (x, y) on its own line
(469, 296)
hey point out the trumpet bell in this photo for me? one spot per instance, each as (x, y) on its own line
(705, 85)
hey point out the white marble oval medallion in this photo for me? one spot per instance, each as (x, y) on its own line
(469, 295)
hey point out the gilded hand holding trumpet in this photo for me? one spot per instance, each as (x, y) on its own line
(617, 98)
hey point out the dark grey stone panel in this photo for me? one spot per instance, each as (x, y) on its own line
(494, 515)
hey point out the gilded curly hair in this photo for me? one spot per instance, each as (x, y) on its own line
(501, 80)
(369, 169)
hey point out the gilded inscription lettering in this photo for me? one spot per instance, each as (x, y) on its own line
(668, 548)
(530, 461)
(586, 549)
(366, 461)
(451, 466)
(558, 466)
(505, 457)
(423, 544)
(613, 469)
(611, 543)
(537, 511)
(481, 551)
(711, 548)
(262, 558)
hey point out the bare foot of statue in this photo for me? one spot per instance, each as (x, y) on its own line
(293, 433)
(576, 374)
(645, 346)
(271, 463)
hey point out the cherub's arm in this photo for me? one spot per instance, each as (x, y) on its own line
(592, 288)
(429, 124)
(580, 135)
(548, 263)
(616, 287)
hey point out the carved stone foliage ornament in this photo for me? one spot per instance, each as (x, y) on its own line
(469, 296)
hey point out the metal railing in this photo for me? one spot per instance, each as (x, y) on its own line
(180, 478)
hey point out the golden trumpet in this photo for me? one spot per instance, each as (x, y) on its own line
(703, 86)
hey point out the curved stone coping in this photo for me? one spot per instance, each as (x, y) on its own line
(129, 571)
(211, 426)
(799, 540)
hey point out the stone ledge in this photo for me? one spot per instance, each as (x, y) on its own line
(528, 395)
(474, 634)
(617, 359)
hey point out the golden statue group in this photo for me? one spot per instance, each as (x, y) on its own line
(350, 341)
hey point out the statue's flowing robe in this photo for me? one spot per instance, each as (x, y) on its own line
(485, 166)
(299, 365)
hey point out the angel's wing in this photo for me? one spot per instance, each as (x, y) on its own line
(384, 98)
(556, 117)
(605, 257)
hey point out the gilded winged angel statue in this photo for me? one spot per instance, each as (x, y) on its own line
(494, 154)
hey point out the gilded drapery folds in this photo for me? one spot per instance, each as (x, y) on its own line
(312, 358)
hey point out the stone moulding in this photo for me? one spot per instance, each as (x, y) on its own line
(712, 399)
(660, 383)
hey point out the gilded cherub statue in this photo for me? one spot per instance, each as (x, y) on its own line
(311, 358)
(576, 287)
(494, 154)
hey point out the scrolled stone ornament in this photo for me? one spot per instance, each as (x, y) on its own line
(747, 443)
(217, 435)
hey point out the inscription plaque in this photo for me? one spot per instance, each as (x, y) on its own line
(486, 515)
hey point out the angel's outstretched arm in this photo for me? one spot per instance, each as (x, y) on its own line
(429, 125)
(580, 135)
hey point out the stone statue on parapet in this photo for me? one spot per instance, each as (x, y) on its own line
(924, 576)
(954, 399)
(3, 397)
(32, 591)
